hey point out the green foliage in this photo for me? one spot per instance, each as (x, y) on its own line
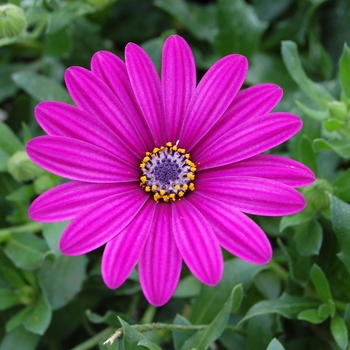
(300, 300)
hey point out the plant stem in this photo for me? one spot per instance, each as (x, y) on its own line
(161, 326)
(90, 343)
(280, 271)
(32, 226)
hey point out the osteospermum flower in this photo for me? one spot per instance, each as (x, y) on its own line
(163, 170)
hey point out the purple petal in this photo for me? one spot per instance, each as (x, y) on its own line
(287, 171)
(146, 85)
(178, 82)
(122, 252)
(252, 195)
(248, 104)
(197, 243)
(79, 160)
(236, 233)
(160, 261)
(101, 221)
(60, 119)
(212, 97)
(69, 199)
(111, 69)
(93, 96)
(249, 139)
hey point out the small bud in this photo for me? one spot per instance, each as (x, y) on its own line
(22, 168)
(338, 110)
(44, 182)
(12, 21)
(316, 194)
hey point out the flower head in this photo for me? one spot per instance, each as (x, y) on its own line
(163, 170)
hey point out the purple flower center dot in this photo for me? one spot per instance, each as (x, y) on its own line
(167, 173)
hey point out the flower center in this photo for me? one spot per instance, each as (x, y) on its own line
(167, 172)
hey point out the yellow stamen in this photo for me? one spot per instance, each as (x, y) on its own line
(190, 176)
(181, 193)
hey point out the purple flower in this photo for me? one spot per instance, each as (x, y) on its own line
(162, 170)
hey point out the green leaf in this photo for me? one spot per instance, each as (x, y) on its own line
(269, 284)
(62, 280)
(237, 297)
(39, 319)
(7, 87)
(131, 336)
(40, 87)
(344, 70)
(299, 265)
(275, 345)
(317, 93)
(9, 273)
(110, 318)
(148, 344)
(334, 124)
(342, 186)
(341, 147)
(180, 337)
(188, 287)
(211, 300)
(341, 224)
(52, 233)
(8, 298)
(66, 14)
(16, 320)
(259, 332)
(240, 29)
(296, 219)
(59, 43)
(313, 113)
(307, 154)
(321, 284)
(9, 142)
(270, 9)
(287, 306)
(308, 237)
(339, 332)
(20, 339)
(199, 20)
(26, 250)
(312, 316)
(202, 339)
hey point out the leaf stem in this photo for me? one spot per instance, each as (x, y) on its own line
(279, 270)
(96, 339)
(161, 326)
(32, 226)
